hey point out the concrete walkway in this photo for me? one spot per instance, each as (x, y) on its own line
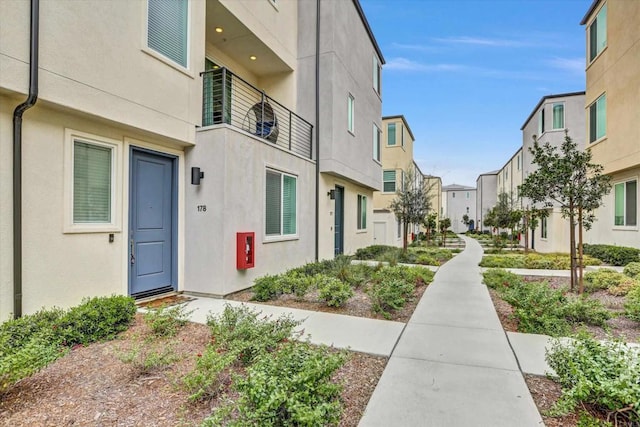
(453, 364)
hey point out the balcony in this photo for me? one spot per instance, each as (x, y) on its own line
(228, 99)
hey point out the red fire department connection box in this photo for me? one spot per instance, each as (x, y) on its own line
(245, 250)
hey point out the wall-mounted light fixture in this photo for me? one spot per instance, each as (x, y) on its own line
(332, 194)
(196, 176)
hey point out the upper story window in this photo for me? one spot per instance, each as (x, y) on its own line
(389, 181)
(598, 118)
(376, 142)
(351, 104)
(168, 29)
(558, 115)
(453, 195)
(518, 160)
(468, 195)
(377, 74)
(391, 134)
(598, 34)
(541, 121)
(626, 203)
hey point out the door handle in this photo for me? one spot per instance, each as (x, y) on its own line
(132, 249)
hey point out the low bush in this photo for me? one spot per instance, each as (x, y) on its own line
(632, 270)
(266, 288)
(333, 291)
(615, 283)
(614, 255)
(239, 331)
(632, 304)
(389, 295)
(502, 261)
(604, 375)
(31, 342)
(373, 252)
(291, 387)
(585, 310)
(147, 359)
(536, 261)
(208, 377)
(165, 321)
(496, 278)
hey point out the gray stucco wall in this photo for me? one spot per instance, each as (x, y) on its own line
(457, 204)
(486, 198)
(233, 191)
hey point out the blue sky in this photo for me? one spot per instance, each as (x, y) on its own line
(467, 73)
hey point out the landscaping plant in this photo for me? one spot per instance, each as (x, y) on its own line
(614, 255)
(165, 321)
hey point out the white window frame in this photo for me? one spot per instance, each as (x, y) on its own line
(361, 212)
(377, 137)
(541, 118)
(624, 203)
(158, 55)
(395, 134)
(351, 114)
(377, 75)
(395, 181)
(544, 228)
(553, 116)
(590, 57)
(596, 139)
(281, 236)
(114, 225)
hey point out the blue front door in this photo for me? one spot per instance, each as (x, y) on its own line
(152, 224)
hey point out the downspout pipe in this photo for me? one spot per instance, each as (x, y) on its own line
(317, 130)
(17, 158)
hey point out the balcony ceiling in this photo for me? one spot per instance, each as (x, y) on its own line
(239, 42)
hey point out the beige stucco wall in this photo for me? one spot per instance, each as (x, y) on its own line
(60, 268)
(434, 184)
(385, 229)
(353, 238)
(121, 80)
(557, 234)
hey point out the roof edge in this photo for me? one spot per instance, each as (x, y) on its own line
(544, 98)
(590, 11)
(369, 31)
(404, 120)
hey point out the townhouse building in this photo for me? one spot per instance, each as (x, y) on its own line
(612, 128)
(397, 160)
(434, 186)
(193, 149)
(548, 121)
(486, 197)
(458, 201)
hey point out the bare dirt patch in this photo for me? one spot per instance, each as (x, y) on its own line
(358, 305)
(91, 386)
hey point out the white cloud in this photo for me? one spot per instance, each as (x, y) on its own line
(483, 41)
(414, 47)
(571, 65)
(405, 64)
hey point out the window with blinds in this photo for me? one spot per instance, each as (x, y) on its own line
(281, 204)
(92, 166)
(389, 181)
(167, 29)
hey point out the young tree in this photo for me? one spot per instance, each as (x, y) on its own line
(504, 214)
(430, 224)
(411, 204)
(530, 219)
(444, 225)
(567, 178)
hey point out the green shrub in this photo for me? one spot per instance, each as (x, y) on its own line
(601, 374)
(585, 310)
(497, 278)
(585, 419)
(389, 295)
(632, 304)
(614, 255)
(412, 275)
(239, 331)
(27, 359)
(266, 288)
(165, 321)
(333, 291)
(16, 333)
(326, 266)
(96, 319)
(502, 261)
(632, 270)
(207, 379)
(146, 359)
(374, 252)
(615, 283)
(291, 387)
(538, 308)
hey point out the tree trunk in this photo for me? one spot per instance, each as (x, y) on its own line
(405, 232)
(580, 253)
(572, 239)
(525, 220)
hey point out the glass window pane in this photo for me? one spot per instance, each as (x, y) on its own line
(601, 29)
(558, 116)
(167, 28)
(619, 204)
(289, 205)
(389, 181)
(601, 117)
(350, 107)
(273, 204)
(391, 134)
(91, 183)
(631, 202)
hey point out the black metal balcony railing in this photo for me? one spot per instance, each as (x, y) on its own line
(229, 99)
